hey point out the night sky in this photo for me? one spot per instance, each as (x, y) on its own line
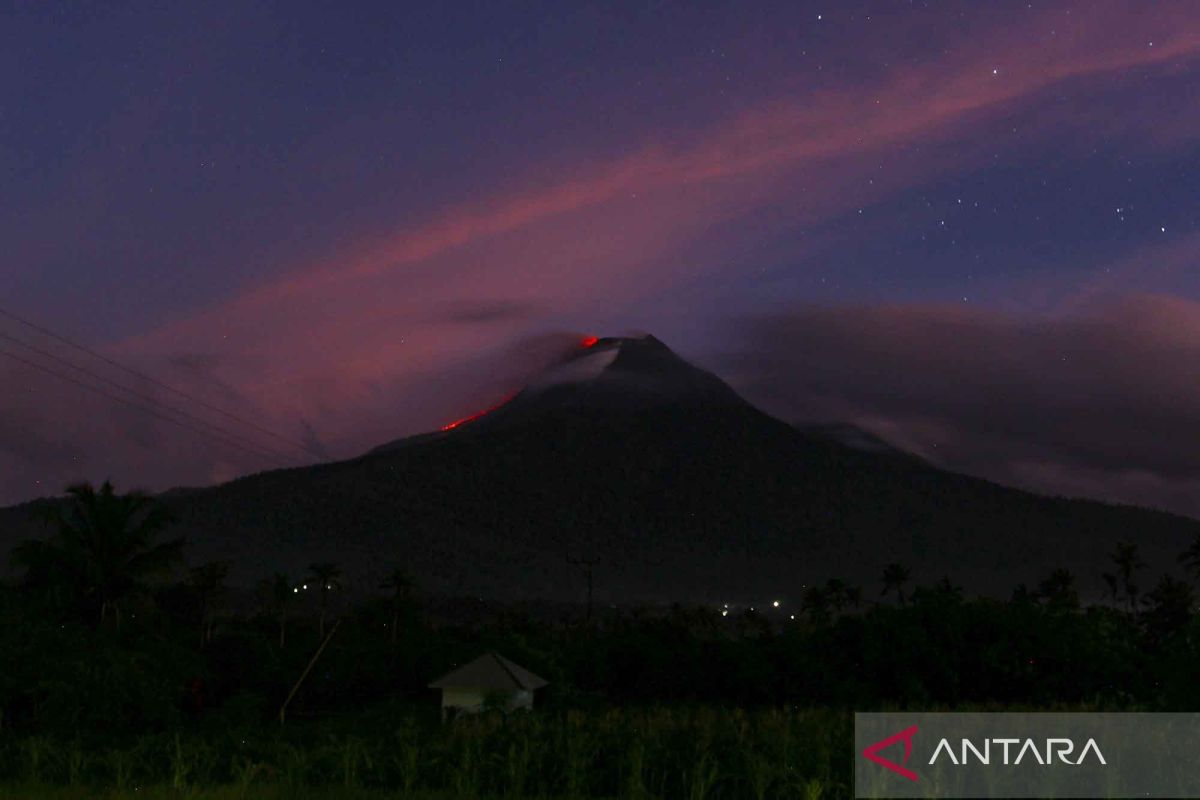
(970, 228)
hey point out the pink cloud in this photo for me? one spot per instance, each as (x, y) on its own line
(1151, 269)
(914, 103)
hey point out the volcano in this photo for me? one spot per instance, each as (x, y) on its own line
(622, 374)
(657, 473)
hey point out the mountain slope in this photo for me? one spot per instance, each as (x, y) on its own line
(675, 486)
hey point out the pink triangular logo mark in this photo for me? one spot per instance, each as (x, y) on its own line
(872, 752)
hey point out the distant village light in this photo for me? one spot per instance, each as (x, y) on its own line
(776, 604)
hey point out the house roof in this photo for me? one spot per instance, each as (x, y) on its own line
(491, 671)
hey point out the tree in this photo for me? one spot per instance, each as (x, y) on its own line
(835, 594)
(1022, 596)
(943, 592)
(277, 593)
(103, 550)
(842, 595)
(816, 602)
(401, 587)
(948, 589)
(326, 575)
(1057, 590)
(1113, 586)
(1127, 561)
(1168, 607)
(894, 578)
(208, 580)
(853, 596)
(1190, 558)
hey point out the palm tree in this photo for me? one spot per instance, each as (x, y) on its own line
(326, 575)
(401, 588)
(894, 578)
(277, 591)
(209, 582)
(103, 548)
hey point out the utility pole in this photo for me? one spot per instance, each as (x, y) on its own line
(303, 675)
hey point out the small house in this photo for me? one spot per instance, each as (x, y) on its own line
(490, 681)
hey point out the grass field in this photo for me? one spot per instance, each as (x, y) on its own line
(49, 792)
(814, 790)
(668, 753)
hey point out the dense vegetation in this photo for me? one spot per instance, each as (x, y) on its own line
(115, 673)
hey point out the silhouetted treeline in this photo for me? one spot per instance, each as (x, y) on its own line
(99, 638)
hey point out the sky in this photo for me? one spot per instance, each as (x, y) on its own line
(309, 228)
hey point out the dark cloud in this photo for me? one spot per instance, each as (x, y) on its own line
(22, 442)
(199, 363)
(1103, 404)
(482, 313)
(59, 426)
(313, 442)
(204, 372)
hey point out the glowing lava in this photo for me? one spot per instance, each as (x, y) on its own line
(585, 342)
(451, 426)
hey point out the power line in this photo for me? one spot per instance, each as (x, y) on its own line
(134, 404)
(83, 348)
(261, 449)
